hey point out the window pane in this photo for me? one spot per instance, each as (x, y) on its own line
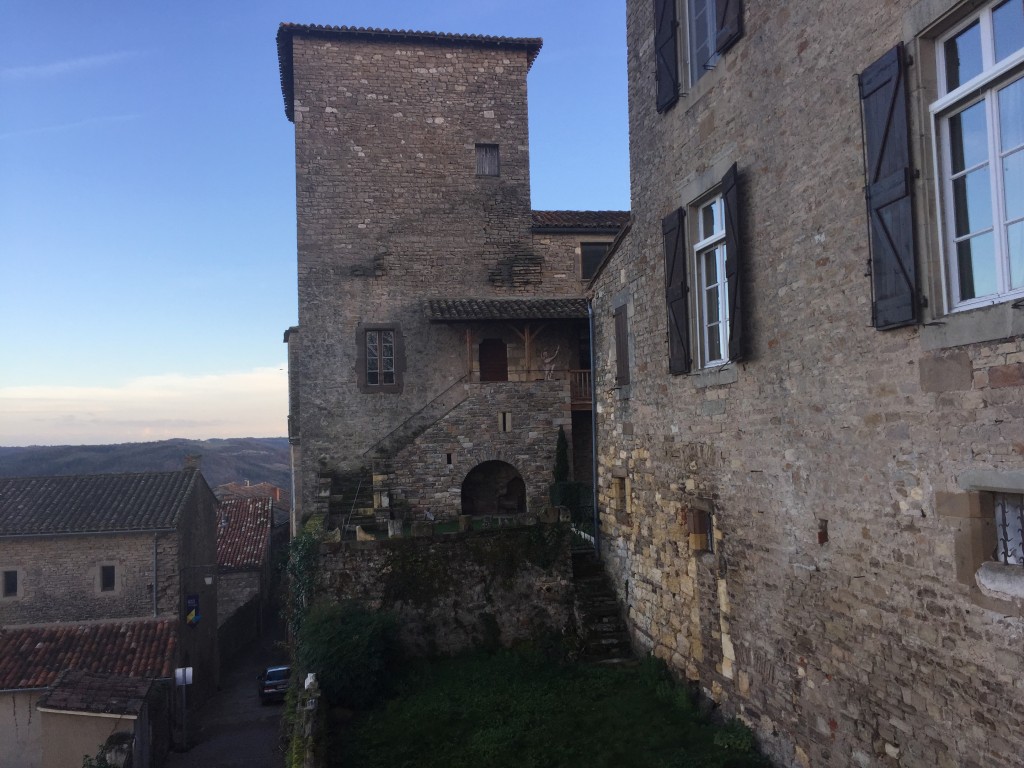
(590, 257)
(710, 268)
(10, 583)
(963, 57)
(702, 37)
(714, 343)
(972, 202)
(372, 377)
(1011, 116)
(1015, 242)
(977, 264)
(968, 138)
(1013, 185)
(712, 303)
(1008, 22)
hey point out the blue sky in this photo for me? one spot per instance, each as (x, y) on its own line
(147, 197)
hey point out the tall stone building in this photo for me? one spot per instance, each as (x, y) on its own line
(442, 323)
(810, 374)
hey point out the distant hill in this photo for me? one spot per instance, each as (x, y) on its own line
(254, 459)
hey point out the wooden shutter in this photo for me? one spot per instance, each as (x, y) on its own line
(734, 272)
(676, 298)
(729, 17)
(666, 52)
(888, 190)
(621, 346)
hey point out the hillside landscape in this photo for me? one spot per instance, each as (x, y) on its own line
(250, 459)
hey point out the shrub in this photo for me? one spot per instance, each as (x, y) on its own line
(353, 651)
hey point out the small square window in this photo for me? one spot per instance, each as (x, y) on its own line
(10, 584)
(107, 578)
(487, 160)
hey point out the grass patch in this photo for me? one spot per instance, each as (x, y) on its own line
(522, 710)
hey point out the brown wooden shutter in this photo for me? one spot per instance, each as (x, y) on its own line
(621, 346)
(888, 177)
(666, 52)
(734, 272)
(676, 296)
(729, 16)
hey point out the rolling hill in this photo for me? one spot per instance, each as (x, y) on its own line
(221, 461)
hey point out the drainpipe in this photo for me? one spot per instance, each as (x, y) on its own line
(593, 431)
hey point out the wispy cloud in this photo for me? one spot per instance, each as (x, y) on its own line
(101, 120)
(65, 67)
(240, 404)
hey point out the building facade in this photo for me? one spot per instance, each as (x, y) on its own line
(114, 547)
(441, 320)
(810, 372)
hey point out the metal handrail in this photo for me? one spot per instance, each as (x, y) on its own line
(444, 392)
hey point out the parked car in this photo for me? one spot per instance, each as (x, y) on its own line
(273, 683)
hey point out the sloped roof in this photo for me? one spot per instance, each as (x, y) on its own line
(286, 32)
(147, 501)
(576, 221)
(247, 491)
(77, 690)
(33, 657)
(243, 533)
(466, 310)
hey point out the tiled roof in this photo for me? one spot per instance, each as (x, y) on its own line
(79, 691)
(93, 503)
(454, 310)
(286, 32)
(580, 220)
(32, 657)
(243, 532)
(246, 491)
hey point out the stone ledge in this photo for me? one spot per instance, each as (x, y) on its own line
(1002, 581)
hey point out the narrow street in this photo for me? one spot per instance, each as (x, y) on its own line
(233, 728)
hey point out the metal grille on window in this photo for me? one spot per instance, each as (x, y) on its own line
(1009, 509)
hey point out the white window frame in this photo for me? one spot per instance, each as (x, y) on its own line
(981, 88)
(708, 313)
(696, 70)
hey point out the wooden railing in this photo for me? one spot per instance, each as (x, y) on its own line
(580, 387)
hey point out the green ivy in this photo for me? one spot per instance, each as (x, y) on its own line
(303, 569)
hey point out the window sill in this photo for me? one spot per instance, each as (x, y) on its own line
(720, 375)
(998, 321)
(1001, 581)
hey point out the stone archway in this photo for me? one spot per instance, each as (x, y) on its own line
(493, 488)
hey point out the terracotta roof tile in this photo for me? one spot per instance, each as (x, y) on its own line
(32, 657)
(286, 31)
(243, 533)
(86, 503)
(455, 310)
(76, 690)
(610, 221)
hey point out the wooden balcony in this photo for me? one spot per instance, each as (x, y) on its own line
(580, 389)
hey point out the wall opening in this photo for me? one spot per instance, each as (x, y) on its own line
(493, 488)
(493, 360)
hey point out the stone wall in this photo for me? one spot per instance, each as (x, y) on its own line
(234, 590)
(59, 577)
(458, 591)
(428, 474)
(842, 466)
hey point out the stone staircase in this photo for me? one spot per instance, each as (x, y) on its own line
(602, 630)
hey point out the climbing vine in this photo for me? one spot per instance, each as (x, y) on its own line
(303, 569)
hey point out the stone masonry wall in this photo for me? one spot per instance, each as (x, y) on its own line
(454, 592)
(391, 212)
(233, 591)
(470, 435)
(59, 577)
(838, 613)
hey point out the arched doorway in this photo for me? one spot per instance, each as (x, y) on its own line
(493, 360)
(493, 488)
